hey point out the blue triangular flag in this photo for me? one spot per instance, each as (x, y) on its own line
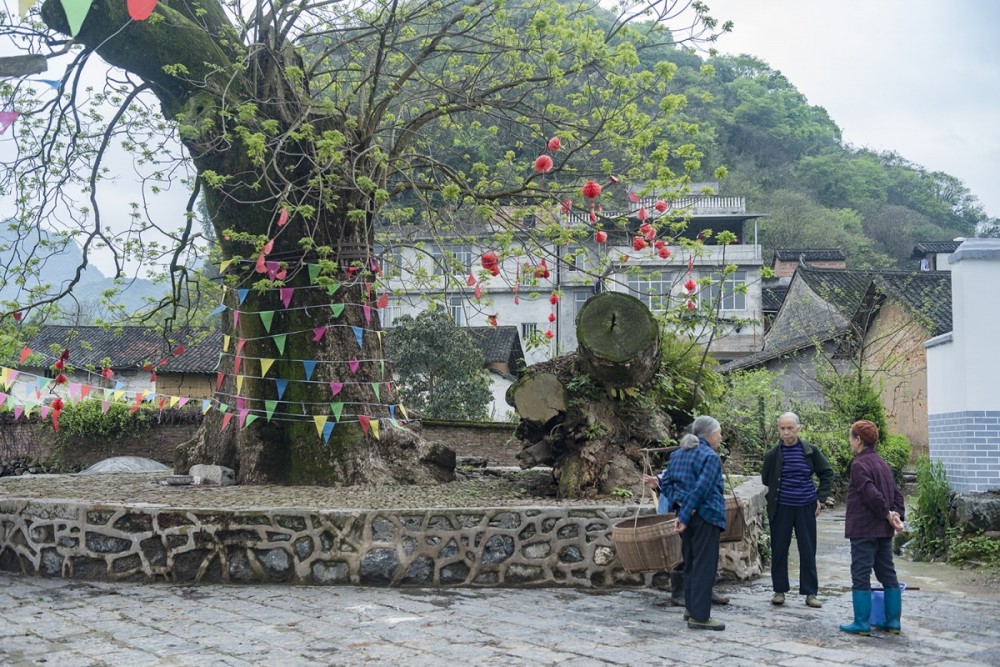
(119, 385)
(359, 334)
(221, 308)
(52, 82)
(241, 294)
(392, 411)
(281, 384)
(327, 430)
(310, 366)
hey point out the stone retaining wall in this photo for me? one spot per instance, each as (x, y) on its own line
(509, 546)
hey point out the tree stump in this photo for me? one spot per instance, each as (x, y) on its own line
(585, 413)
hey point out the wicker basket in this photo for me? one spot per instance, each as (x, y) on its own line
(736, 523)
(648, 543)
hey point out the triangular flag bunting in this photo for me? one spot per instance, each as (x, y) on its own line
(320, 421)
(383, 301)
(18, 411)
(25, 353)
(279, 342)
(335, 387)
(105, 406)
(23, 6)
(239, 384)
(354, 365)
(332, 288)
(402, 409)
(269, 406)
(337, 309)
(365, 421)
(327, 431)
(223, 407)
(3, 398)
(313, 273)
(375, 430)
(243, 412)
(240, 344)
(318, 333)
(241, 295)
(359, 335)
(377, 390)
(281, 385)
(337, 409)
(392, 411)
(225, 264)
(221, 308)
(174, 400)
(184, 399)
(84, 390)
(7, 118)
(236, 318)
(249, 420)
(265, 366)
(225, 343)
(140, 10)
(267, 317)
(309, 367)
(226, 418)
(286, 295)
(219, 377)
(206, 405)
(367, 310)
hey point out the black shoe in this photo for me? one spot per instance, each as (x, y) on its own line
(710, 624)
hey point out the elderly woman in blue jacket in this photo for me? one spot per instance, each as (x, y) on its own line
(691, 487)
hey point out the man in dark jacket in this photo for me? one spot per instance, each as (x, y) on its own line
(793, 503)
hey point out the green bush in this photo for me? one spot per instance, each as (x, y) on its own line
(928, 518)
(895, 450)
(688, 380)
(837, 451)
(87, 419)
(854, 396)
(748, 410)
(978, 548)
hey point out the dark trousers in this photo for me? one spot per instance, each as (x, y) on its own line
(802, 520)
(700, 548)
(867, 555)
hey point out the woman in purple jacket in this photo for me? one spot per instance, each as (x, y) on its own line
(874, 514)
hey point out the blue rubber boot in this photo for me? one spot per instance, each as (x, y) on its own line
(893, 610)
(862, 611)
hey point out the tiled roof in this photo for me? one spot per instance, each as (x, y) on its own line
(926, 295)
(498, 344)
(131, 347)
(772, 297)
(934, 247)
(786, 348)
(819, 255)
(841, 288)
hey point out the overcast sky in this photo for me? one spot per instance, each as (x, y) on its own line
(919, 77)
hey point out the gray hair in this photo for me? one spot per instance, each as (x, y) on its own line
(790, 415)
(700, 427)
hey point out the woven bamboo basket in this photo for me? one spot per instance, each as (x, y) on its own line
(648, 543)
(736, 523)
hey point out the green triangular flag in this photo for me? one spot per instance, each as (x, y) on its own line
(223, 407)
(337, 409)
(76, 12)
(313, 273)
(279, 341)
(269, 407)
(332, 289)
(337, 309)
(249, 420)
(378, 396)
(267, 317)
(382, 363)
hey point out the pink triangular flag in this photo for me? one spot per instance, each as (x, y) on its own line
(183, 401)
(318, 333)
(335, 387)
(240, 344)
(261, 265)
(18, 411)
(283, 217)
(226, 418)
(286, 295)
(243, 416)
(44, 410)
(140, 10)
(7, 118)
(354, 365)
(105, 406)
(272, 269)
(268, 247)
(368, 312)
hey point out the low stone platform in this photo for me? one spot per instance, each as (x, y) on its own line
(485, 532)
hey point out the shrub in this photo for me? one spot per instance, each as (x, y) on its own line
(928, 519)
(748, 411)
(837, 451)
(895, 450)
(979, 548)
(88, 419)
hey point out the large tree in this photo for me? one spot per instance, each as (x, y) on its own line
(309, 124)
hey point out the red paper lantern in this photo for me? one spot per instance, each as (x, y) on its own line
(61, 379)
(661, 206)
(553, 298)
(638, 243)
(690, 304)
(554, 144)
(643, 214)
(591, 190)
(664, 253)
(107, 374)
(18, 315)
(58, 404)
(59, 365)
(543, 164)
(550, 334)
(552, 317)
(567, 206)
(600, 237)
(690, 285)
(492, 320)
(491, 263)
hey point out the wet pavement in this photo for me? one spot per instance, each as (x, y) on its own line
(68, 623)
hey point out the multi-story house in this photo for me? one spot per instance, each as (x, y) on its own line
(543, 261)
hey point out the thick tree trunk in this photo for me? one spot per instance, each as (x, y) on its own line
(580, 413)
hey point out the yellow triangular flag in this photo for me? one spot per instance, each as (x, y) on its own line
(374, 427)
(23, 6)
(224, 265)
(225, 343)
(403, 410)
(3, 377)
(119, 394)
(320, 423)
(239, 384)
(265, 366)
(174, 400)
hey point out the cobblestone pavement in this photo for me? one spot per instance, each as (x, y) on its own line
(69, 623)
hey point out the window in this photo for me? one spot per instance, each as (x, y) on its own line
(733, 289)
(389, 314)
(580, 298)
(457, 305)
(390, 260)
(452, 259)
(652, 288)
(528, 331)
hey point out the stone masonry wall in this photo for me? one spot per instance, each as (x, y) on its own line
(509, 546)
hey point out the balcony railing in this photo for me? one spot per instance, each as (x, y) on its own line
(708, 205)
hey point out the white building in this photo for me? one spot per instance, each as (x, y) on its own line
(520, 294)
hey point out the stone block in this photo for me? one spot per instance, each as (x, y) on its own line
(210, 475)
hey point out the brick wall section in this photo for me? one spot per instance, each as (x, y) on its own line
(968, 446)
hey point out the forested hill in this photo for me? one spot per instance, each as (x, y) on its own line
(789, 160)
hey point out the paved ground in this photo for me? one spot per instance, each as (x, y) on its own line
(69, 623)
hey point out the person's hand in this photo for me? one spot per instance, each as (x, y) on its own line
(896, 522)
(680, 527)
(651, 481)
(819, 507)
